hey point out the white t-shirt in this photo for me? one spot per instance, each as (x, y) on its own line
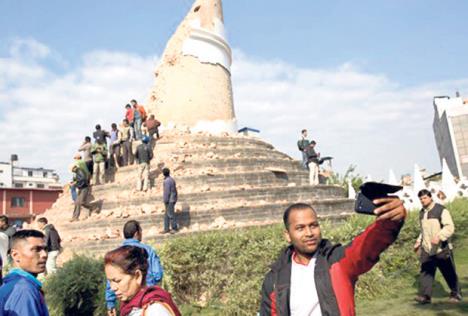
(303, 298)
(155, 309)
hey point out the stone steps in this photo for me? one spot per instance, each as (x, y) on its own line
(297, 193)
(270, 211)
(216, 181)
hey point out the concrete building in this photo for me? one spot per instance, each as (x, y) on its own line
(13, 176)
(24, 204)
(451, 133)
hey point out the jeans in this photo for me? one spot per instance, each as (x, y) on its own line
(137, 127)
(73, 192)
(169, 216)
(304, 161)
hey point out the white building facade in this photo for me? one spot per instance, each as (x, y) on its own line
(12, 176)
(451, 133)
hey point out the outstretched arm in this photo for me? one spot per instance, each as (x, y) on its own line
(364, 251)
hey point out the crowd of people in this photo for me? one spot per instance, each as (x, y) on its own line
(312, 276)
(132, 142)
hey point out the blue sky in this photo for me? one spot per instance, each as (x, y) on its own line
(372, 68)
(410, 41)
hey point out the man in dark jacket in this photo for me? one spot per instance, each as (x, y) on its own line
(53, 241)
(21, 292)
(302, 145)
(314, 277)
(143, 155)
(5, 227)
(81, 182)
(169, 199)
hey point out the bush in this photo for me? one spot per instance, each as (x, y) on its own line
(225, 269)
(77, 288)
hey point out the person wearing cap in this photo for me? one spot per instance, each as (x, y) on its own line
(83, 166)
(143, 156)
(81, 182)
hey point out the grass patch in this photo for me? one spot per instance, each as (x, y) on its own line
(220, 273)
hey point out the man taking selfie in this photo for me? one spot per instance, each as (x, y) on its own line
(314, 277)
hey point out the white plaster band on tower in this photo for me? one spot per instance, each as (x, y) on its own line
(208, 46)
(213, 127)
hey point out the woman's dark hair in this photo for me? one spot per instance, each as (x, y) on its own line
(129, 259)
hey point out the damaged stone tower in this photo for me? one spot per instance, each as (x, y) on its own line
(193, 80)
(224, 179)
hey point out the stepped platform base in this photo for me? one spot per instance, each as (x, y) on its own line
(223, 182)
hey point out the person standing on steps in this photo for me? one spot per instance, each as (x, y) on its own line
(81, 182)
(169, 199)
(143, 156)
(99, 152)
(302, 145)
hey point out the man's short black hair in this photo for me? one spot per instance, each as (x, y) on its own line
(166, 172)
(87, 139)
(42, 220)
(25, 234)
(128, 106)
(313, 142)
(4, 218)
(131, 228)
(294, 207)
(424, 192)
(113, 125)
(98, 127)
(304, 130)
(134, 101)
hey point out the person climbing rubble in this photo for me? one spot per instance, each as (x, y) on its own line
(114, 161)
(143, 155)
(125, 139)
(139, 116)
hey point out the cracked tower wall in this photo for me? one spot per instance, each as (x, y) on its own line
(193, 80)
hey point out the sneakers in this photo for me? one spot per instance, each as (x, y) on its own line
(162, 232)
(73, 220)
(423, 299)
(455, 298)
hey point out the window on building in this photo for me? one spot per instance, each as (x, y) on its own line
(30, 173)
(44, 174)
(40, 186)
(1, 171)
(1, 184)
(17, 202)
(18, 185)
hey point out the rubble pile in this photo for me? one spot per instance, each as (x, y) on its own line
(224, 181)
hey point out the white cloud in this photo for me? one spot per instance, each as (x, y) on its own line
(357, 117)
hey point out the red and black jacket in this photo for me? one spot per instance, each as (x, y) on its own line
(336, 271)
